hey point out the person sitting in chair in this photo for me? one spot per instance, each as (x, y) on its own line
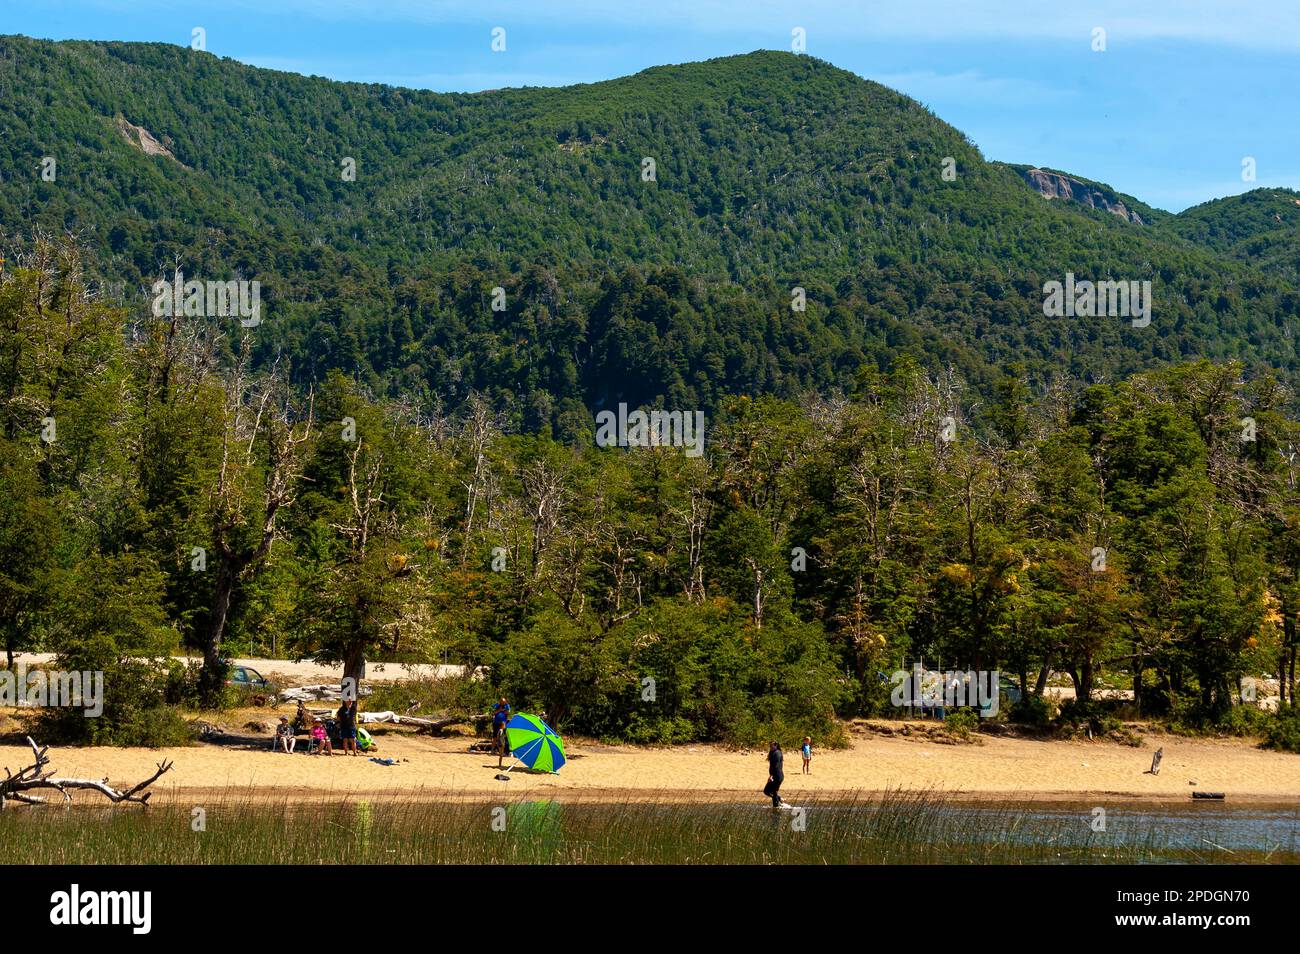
(284, 735)
(320, 738)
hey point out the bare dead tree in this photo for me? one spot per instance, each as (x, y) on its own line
(38, 775)
(247, 499)
(545, 495)
(760, 590)
(381, 612)
(572, 560)
(481, 430)
(178, 353)
(617, 553)
(877, 486)
(695, 518)
(578, 538)
(366, 494)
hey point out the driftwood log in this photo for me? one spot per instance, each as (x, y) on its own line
(422, 724)
(318, 694)
(38, 776)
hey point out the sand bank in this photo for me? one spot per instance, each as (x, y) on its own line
(997, 768)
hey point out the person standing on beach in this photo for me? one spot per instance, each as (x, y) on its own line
(807, 755)
(775, 774)
(347, 716)
(500, 716)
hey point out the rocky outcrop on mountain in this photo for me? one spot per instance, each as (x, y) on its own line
(1054, 185)
(144, 140)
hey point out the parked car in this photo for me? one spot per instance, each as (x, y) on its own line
(248, 680)
(1010, 687)
(246, 676)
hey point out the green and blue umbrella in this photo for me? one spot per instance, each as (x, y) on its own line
(535, 743)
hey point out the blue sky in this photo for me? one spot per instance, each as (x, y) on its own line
(1183, 92)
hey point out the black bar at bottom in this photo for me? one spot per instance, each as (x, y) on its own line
(335, 904)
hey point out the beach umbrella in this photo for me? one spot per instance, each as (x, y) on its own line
(534, 743)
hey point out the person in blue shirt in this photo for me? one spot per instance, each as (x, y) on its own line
(806, 749)
(500, 716)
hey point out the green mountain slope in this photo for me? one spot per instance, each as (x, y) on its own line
(1261, 227)
(771, 171)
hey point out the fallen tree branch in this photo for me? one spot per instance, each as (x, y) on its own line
(39, 776)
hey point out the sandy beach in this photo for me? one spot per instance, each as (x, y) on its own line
(994, 769)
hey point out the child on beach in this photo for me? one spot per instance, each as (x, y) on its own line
(807, 755)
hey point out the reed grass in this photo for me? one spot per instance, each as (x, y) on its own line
(902, 827)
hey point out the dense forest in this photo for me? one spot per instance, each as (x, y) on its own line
(159, 495)
(904, 459)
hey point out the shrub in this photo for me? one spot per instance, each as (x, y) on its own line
(1282, 731)
(1190, 719)
(181, 684)
(1096, 718)
(962, 722)
(1032, 710)
(134, 709)
(1244, 720)
(111, 621)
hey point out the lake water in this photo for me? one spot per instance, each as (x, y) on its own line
(1202, 826)
(1202, 830)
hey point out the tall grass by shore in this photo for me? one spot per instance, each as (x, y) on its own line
(895, 828)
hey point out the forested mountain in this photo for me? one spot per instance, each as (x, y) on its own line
(1261, 227)
(388, 468)
(771, 171)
